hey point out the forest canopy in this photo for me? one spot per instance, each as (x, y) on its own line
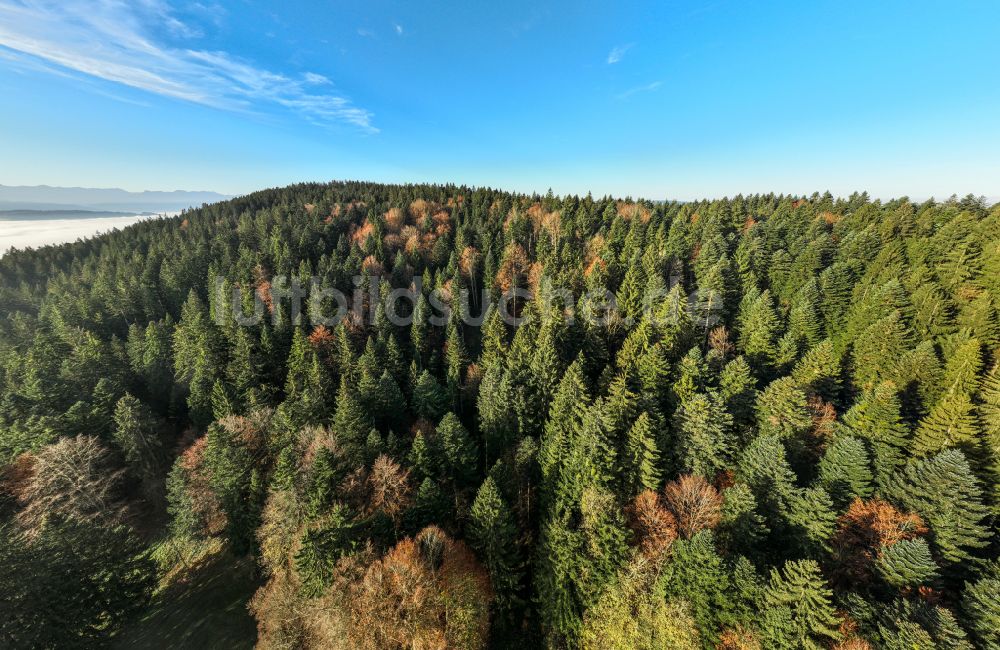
(782, 432)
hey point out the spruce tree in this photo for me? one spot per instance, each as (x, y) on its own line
(800, 587)
(492, 534)
(135, 432)
(457, 449)
(845, 471)
(430, 400)
(907, 563)
(704, 438)
(640, 462)
(351, 422)
(981, 604)
(943, 490)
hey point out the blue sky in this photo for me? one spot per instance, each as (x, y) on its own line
(663, 99)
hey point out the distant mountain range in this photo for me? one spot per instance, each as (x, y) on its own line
(47, 198)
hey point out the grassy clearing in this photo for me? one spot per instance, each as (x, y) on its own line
(200, 602)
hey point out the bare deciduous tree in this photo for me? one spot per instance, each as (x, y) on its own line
(696, 504)
(74, 478)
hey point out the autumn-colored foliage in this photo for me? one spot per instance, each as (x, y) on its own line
(863, 530)
(653, 526)
(76, 479)
(197, 484)
(389, 487)
(695, 503)
(738, 638)
(513, 269)
(427, 592)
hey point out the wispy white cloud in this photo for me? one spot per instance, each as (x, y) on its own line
(617, 53)
(398, 28)
(641, 89)
(365, 33)
(114, 40)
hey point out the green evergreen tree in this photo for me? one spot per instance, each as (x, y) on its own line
(876, 419)
(135, 432)
(800, 587)
(782, 409)
(697, 574)
(758, 327)
(705, 442)
(492, 533)
(981, 604)
(907, 563)
(640, 462)
(430, 400)
(351, 422)
(845, 471)
(457, 448)
(951, 423)
(943, 491)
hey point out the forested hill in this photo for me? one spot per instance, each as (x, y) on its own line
(783, 432)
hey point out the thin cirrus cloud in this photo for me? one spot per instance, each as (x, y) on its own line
(646, 88)
(113, 40)
(617, 53)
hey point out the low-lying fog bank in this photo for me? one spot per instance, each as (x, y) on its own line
(40, 232)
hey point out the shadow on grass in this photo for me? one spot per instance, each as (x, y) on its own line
(201, 607)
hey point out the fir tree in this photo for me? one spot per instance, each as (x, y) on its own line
(951, 423)
(875, 418)
(943, 491)
(493, 535)
(845, 472)
(907, 563)
(800, 587)
(782, 409)
(981, 604)
(704, 435)
(640, 462)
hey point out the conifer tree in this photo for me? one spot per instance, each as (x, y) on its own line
(565, 419)
(136, 434)
(697, 574)
(497, 421)
(493, 535)
(943, 490)
(981, 604)
(877, 352)
(640, 462)
(907, 563)
(875, 418)
(988, 410)
(737, 387)
(804, 320)
(457, 448)
(818, 371)
(494, 340)
(430, 401)
(951, 423)
(800, 587)
(704, 438)
(845, 471)
(758, 327)
(782, 409)
(812, 519)
(351, 423)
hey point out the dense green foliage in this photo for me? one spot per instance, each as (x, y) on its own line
(784, 434)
